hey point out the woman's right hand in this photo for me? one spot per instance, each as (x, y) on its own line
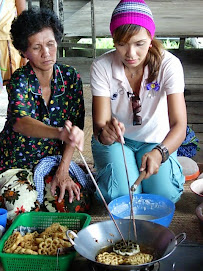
(112, 132)
(72, 135)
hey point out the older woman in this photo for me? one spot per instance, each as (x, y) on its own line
(45, 116)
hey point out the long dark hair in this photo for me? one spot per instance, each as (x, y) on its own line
(154, 56)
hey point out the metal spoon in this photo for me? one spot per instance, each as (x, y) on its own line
(138, 181)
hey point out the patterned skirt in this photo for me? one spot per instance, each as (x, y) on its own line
(18, 195)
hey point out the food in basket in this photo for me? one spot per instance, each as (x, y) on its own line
(12, 242)
(46, 243)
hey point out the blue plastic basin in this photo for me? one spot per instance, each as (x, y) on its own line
(148, 207)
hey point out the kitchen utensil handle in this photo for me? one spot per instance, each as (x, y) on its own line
(69, 238)
(138, 181)
(180, 238)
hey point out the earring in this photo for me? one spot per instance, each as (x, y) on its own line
(150, 45)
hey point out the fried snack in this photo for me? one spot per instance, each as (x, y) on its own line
(39, 240)
(12, 242)
(140, 258)
(29, 241)
(21, 250)
(111, 258)
(55, 228)
(46, 243)
(132, 248)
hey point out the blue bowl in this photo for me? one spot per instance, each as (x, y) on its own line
(148, 207)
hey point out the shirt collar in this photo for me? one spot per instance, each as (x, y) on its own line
(57, 83)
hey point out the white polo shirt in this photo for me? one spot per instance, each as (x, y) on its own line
(108, 79)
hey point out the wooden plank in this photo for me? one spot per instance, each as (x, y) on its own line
(198, 128)
(173, 18)
(194, 93)
(67, 45)
(195, 112)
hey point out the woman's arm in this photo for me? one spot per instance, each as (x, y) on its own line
(20, 6)
(178, 122)
(106, 129)
(62, 178)
(28, 126)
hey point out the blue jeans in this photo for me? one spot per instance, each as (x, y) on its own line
(111, 173)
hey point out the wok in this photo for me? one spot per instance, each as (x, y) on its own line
(160, 241)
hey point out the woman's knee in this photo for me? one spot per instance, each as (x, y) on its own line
(168, 182)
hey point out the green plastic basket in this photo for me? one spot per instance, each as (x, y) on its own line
(41, 220)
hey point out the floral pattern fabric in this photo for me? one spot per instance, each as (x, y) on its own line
(51, 203)
(25, 99)
(18, 194)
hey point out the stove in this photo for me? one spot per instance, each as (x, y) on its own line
(186, 257)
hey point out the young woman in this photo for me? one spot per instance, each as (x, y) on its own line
(138, 93)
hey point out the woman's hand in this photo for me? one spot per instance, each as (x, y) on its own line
(63, 180)
(112, 131)
(72, 135)
(151, 162)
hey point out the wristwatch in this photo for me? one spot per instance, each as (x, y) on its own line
(164, 152)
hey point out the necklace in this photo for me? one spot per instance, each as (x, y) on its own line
(131, 74)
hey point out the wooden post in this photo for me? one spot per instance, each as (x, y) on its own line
(46, 4)
(29, 4)
(58, 9)
(182, 44)
(93, 28)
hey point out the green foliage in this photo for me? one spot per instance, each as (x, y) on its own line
(104, 43)
(170, 44)
(101, 43)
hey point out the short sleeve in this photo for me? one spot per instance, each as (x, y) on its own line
(173, 76)
(19, 103)
(99, 80)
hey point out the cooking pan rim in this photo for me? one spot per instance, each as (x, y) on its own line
(135, 267)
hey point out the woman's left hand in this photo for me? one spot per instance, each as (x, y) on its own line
(151, 162)
(72, 135)
(63, 180)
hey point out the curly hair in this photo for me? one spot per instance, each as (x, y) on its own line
(32, 21)
(154, 56)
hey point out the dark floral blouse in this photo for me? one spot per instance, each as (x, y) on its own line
(25, 99)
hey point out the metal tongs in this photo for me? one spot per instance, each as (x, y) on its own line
(98, 189)
(132, 188)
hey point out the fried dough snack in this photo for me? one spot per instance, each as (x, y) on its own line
(139, 258)
(12, 242)
(46, 243)
(111, 258)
